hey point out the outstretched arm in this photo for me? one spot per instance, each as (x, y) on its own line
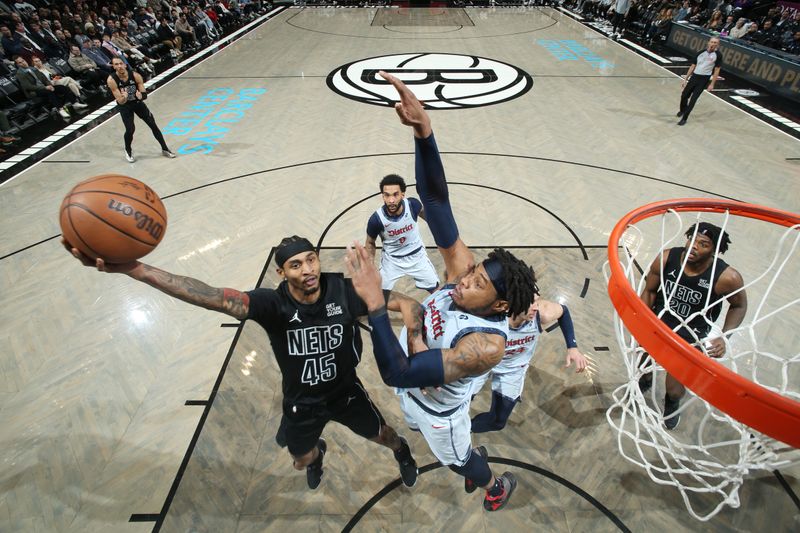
(431, 183)
(552, 312)
(229, 301)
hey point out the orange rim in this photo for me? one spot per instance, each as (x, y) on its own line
(748, 402)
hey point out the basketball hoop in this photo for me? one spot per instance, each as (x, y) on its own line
(743, 409)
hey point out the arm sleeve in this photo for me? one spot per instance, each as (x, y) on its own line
(718, 62)
(264, 306)
(425, 369)
(416, 207)
(432, 189)
(374, 226)
(354, 301)
(565, 322)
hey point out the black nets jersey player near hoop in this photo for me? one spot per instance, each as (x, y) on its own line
(695, 281)
(317, 344)
(689, 297)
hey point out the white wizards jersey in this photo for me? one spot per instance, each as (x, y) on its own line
(445, 325)
(520, 345)
(400, 235)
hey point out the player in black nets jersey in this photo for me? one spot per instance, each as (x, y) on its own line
(311, 323)
(128, 89)
(686, 285)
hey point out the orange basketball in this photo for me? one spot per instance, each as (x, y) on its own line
(113, 217)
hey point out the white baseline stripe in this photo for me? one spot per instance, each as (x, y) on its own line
(645, 51)
(766, 112)
(570, 13)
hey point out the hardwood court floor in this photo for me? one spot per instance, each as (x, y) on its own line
(96, 370)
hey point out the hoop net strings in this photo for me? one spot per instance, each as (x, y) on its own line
(709, 456)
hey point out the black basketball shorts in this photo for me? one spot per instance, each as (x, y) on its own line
(303, 424)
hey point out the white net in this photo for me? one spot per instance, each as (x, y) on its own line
(707, 456)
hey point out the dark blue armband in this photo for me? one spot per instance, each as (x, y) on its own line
(425, 369)
(565, 322)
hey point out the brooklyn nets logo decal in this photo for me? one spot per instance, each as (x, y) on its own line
(441, 81)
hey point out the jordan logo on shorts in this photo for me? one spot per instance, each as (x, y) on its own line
(296, 317)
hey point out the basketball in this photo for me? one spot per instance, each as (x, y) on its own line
(113, 217)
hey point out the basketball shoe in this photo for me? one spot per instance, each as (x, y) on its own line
(469, 485)
(408, 466)
(129, 157)
(495, 503)
(314, 470)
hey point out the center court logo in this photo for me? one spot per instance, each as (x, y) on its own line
(441, 81)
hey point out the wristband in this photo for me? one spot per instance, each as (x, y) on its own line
(377, 312)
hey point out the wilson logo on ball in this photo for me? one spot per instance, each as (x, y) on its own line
(143, 221)
(440, 81)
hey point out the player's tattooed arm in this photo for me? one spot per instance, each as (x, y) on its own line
(396, 301)
(369, 244)
(473, 355)
(413, 318)
(416, 323)
(229, 301)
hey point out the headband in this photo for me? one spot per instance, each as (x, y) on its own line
(286, 251)
(495, 272)
(709, 230)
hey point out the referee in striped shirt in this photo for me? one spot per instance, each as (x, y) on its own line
(705, 68)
